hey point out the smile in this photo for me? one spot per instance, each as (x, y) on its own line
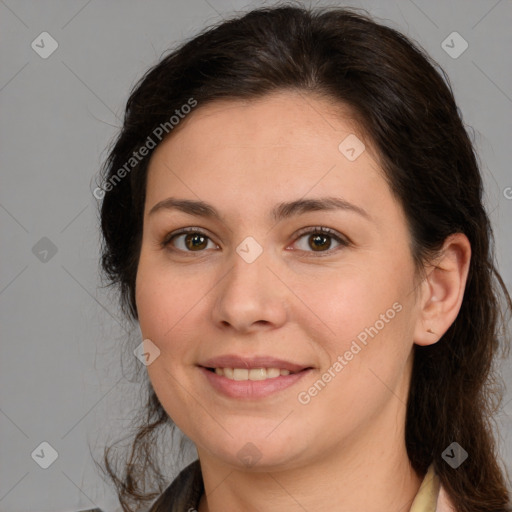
(250, 384)
(240, 374)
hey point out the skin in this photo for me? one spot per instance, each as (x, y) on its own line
(345, 449)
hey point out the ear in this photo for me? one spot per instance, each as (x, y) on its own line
(442, 290)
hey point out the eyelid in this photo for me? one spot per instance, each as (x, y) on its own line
(343, 240)
(322, 229)
(184, 231)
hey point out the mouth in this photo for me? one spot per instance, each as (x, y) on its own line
(251, 378)
(241, 374)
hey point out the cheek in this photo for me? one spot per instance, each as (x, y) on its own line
(369, 311)
(174, 306)
(166, 311)
(367, 354)
(376, 324)
(360, 297)
(163, 302)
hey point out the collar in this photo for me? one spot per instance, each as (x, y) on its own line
(428, 493)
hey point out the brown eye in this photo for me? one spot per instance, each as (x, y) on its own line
(190, 240)
(195, 241)
(320, 240)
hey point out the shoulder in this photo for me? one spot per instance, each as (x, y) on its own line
(184, 492)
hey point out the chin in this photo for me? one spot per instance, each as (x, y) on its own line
(257, 453)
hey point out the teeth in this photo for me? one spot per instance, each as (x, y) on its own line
(257, 374)
(273, 372)
(252, 374)
(240, 374)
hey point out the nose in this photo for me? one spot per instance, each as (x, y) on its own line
(251, 296)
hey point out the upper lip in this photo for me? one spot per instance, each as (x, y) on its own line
(234, 361)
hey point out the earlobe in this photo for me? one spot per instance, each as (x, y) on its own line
(443, 290)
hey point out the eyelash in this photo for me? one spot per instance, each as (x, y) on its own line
(343, 241)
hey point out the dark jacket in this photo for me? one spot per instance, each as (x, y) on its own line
(184, 493)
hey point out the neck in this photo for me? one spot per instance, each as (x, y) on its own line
(363, 474)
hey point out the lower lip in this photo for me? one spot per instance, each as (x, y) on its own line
(251, 388)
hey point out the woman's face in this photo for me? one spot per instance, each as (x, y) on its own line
(261, 287)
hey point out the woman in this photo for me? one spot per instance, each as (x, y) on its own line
(293, 214)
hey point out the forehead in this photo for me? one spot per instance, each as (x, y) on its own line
(299, 127)
(287, 117)
(275, 148)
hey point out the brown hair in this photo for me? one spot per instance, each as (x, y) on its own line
(406, 107)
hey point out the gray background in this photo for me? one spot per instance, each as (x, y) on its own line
(61, 376)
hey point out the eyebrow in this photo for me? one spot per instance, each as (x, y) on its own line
(279, 212)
